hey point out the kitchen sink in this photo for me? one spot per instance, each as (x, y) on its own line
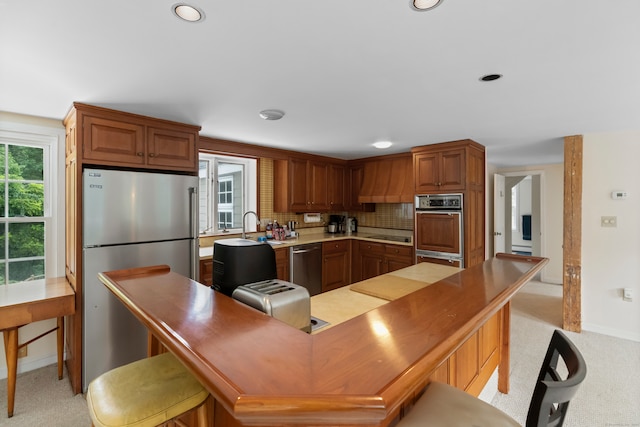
(317, 323)
(391, 238)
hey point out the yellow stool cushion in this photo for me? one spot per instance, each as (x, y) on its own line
(144, 393)
(442, 405)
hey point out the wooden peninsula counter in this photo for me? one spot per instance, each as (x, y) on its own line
(365, 371)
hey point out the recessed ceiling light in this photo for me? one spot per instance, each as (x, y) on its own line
(382, 144)
(490, 77)
(187, 12)
(423, 5)
(272, 114)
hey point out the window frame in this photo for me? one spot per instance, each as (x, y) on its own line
(42, 133)
(249, 186)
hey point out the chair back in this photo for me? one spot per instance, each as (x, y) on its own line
(552, 393)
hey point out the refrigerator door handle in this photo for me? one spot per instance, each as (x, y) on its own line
(195, 245)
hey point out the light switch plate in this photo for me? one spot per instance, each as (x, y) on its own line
(608, 221)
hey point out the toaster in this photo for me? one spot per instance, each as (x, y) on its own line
(283, 300)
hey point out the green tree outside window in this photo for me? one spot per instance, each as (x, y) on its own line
(22, 228)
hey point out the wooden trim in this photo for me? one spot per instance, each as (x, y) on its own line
(505, 353)
(233, 148)
(572, 237)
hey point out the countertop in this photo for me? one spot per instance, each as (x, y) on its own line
(372, 235)
(359, 372)
(344, 303)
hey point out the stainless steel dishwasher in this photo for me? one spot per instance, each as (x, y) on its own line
(306, 267)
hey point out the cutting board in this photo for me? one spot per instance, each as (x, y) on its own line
(388, 287)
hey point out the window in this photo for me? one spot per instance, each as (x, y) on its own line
(25, 214)
(228, 188)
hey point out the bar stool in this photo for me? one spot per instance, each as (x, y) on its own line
(146, 393)
(444, 405)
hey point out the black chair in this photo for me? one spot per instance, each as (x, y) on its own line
(444, 405)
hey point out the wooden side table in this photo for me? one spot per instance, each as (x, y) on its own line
(27, 302)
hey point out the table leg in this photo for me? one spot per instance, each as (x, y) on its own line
(60, 346)
(11, 353)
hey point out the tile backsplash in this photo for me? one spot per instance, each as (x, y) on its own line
(387, 215)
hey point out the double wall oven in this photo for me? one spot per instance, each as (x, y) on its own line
(439, 229)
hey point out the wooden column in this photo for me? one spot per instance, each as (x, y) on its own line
(572, 237)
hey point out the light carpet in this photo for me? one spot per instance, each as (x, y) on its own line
(608, 397)
(610, 394)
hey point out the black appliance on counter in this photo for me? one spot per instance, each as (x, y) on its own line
(241, 261)
(336, 224)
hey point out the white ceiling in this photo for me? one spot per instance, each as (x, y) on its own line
(346, 73)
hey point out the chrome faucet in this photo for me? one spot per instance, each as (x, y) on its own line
(244, 235)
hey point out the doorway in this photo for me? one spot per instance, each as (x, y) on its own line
(518, 219)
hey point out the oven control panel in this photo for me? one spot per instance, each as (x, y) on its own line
(439, 202)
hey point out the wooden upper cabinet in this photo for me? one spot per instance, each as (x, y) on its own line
(387, 179)
(439, 171)
(336, 187)
(300, 185)
(353, 188)
(115, 138)
(171, 148)
(318, 190)
(107, 140)
(448, 167)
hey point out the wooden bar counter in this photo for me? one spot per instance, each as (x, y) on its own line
(365, 371)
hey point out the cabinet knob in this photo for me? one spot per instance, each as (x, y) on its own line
(139, 154)
(152, 154)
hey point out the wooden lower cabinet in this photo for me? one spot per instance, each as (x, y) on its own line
(471, 366)
(336, 264)
(206, 272)
(282, 263)
(372, 259)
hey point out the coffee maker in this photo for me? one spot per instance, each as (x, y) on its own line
(336, 224)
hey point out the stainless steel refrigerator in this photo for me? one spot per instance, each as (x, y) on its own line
(130, 219)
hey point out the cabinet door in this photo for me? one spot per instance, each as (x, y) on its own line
(397, 257)
(356, 174)
(426, 172)
(206, 272)
(335, 265)
(438, 232)
(439, 171)
(172, 149)
(297, 177)
(112, 142)
(336, 188)
(318, 194)
(282, 263)
(371, 260)
(452, 170)
(466, 367)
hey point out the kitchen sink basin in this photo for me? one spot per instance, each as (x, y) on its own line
(317, 323)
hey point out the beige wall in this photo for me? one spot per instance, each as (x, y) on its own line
(611, 256)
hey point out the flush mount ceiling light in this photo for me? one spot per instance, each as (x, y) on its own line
(272, 114)
(382, 144)
(423, 5)
(187, 12)
(490, 77)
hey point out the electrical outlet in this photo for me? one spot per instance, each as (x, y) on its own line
(22, 352)
(608, 221)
